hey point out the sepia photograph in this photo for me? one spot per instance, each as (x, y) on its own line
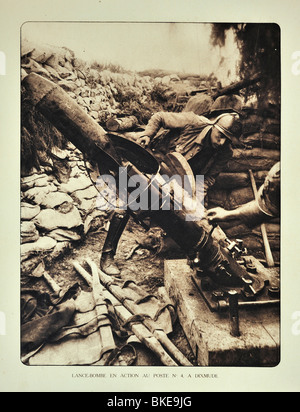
(150, 221)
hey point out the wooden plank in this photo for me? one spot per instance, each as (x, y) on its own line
(209, 332)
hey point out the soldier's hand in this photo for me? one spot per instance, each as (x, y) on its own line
(144, 141)
(217, 214)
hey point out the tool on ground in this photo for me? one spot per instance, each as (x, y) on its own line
(40, 272)
(268, 252)
(133, 322)
(159, 334)
(105, 330)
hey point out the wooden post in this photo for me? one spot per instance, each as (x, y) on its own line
(268, 252)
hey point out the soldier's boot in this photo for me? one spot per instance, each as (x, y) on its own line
(116, 228)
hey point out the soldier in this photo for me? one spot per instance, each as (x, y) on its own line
(205, 142)
(265, 207)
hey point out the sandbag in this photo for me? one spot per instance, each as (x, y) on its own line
(262, 140)
(29, 211)
(89, 193)
(217, 197)
(256, 123)
(36, 332)
(34, 180)
(230, 181)
(49, 219)
(199, 104)
(37, 194)
(29, 232)
(75, 183)
(60, 248)
(254, 159)
(62, 235)
(86, 206)
(239, 197)
(79, 341)
(44, 244)
(121, 124)
(55, 199)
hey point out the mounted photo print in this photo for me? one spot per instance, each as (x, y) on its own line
(150, 194)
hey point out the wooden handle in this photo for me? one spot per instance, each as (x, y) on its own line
(268, 252)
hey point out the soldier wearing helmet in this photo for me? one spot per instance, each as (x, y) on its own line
(205, 142)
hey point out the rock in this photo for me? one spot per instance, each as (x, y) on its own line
(49, 219)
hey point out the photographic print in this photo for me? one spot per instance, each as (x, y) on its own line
(150, 194)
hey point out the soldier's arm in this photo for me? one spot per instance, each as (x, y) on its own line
(167, 120)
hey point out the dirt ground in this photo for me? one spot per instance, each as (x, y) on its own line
(137, 260)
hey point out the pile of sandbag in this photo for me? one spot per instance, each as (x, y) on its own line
(57, 209)
(98, 92)
(103, 92)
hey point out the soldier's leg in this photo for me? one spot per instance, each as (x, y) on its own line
(116, 228)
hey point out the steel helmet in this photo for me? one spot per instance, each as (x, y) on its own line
(227, 103)
(229, 124)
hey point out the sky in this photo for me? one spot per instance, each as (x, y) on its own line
(179, 47)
